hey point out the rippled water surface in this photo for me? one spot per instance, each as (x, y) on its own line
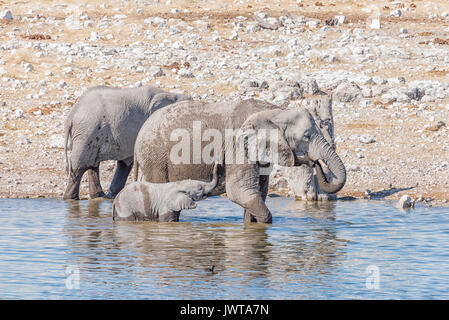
(51, 249)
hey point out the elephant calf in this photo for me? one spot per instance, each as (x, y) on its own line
(103, 125)
(144, 201)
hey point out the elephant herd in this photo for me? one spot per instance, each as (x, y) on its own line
(185, 150)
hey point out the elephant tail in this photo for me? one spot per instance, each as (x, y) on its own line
(67, 133)
(114, 213)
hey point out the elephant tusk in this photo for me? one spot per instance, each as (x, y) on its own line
(323, 165)
(305, 160)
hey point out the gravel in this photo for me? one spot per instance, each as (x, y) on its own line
(385, 87)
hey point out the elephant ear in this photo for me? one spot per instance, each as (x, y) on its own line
(264, 142)
(163, 99)
(182, 201)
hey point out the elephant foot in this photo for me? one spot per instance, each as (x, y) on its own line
(327, 197)
(70, 197)
(248, 218)
(99, 194)
(109, 195)
(257, 211)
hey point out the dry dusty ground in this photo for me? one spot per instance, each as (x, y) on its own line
(53, 50)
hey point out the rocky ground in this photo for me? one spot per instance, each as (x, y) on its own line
(384, 62)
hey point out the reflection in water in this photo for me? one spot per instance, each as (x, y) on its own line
(312, 250)
(181, 252)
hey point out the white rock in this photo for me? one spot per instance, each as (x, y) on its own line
(247, 83)
(56, 141)
(7, 14)
(275, 50)
(140, 69)
(375, 23)
(155, 72)
(157, 21)
(348, 92)
(403, 31)
(253, 27)
(366, 103)
(234, 35)
(289, 93)
(28, 67)
(313, 23)
(94, 36)
(18, 114)
(353, 167)
(185, 73)
(310, 86)
(396, 13)
(120, 16)
(67, 70)
(367, 138)
(405, 202)
(340, 20)
(177, 46)
(379, 80)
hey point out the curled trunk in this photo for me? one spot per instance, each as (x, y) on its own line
(321, 150)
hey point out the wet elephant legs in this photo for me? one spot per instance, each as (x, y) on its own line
(73, 185)
(95, 190)
(263, 188)
(120, 176)
(74, 182)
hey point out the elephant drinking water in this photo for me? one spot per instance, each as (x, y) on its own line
(299, 141)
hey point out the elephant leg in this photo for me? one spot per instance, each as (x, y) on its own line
(263, 188)
(257, 211)
(120, 176)
(170, 216)
(243, 187)
(95, 190)
(73, 184)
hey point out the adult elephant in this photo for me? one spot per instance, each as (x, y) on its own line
(103, 125)
(160, 157)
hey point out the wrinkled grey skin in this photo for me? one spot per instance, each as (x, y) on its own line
(144, 201)
(103, 125)
(302, 179)
(300, 142)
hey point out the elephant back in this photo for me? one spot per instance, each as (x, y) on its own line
(167, 127)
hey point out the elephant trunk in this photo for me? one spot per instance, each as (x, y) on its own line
(321, 150)
(208, 187)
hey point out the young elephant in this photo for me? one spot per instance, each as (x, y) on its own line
(103, 125)
(144, 201)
